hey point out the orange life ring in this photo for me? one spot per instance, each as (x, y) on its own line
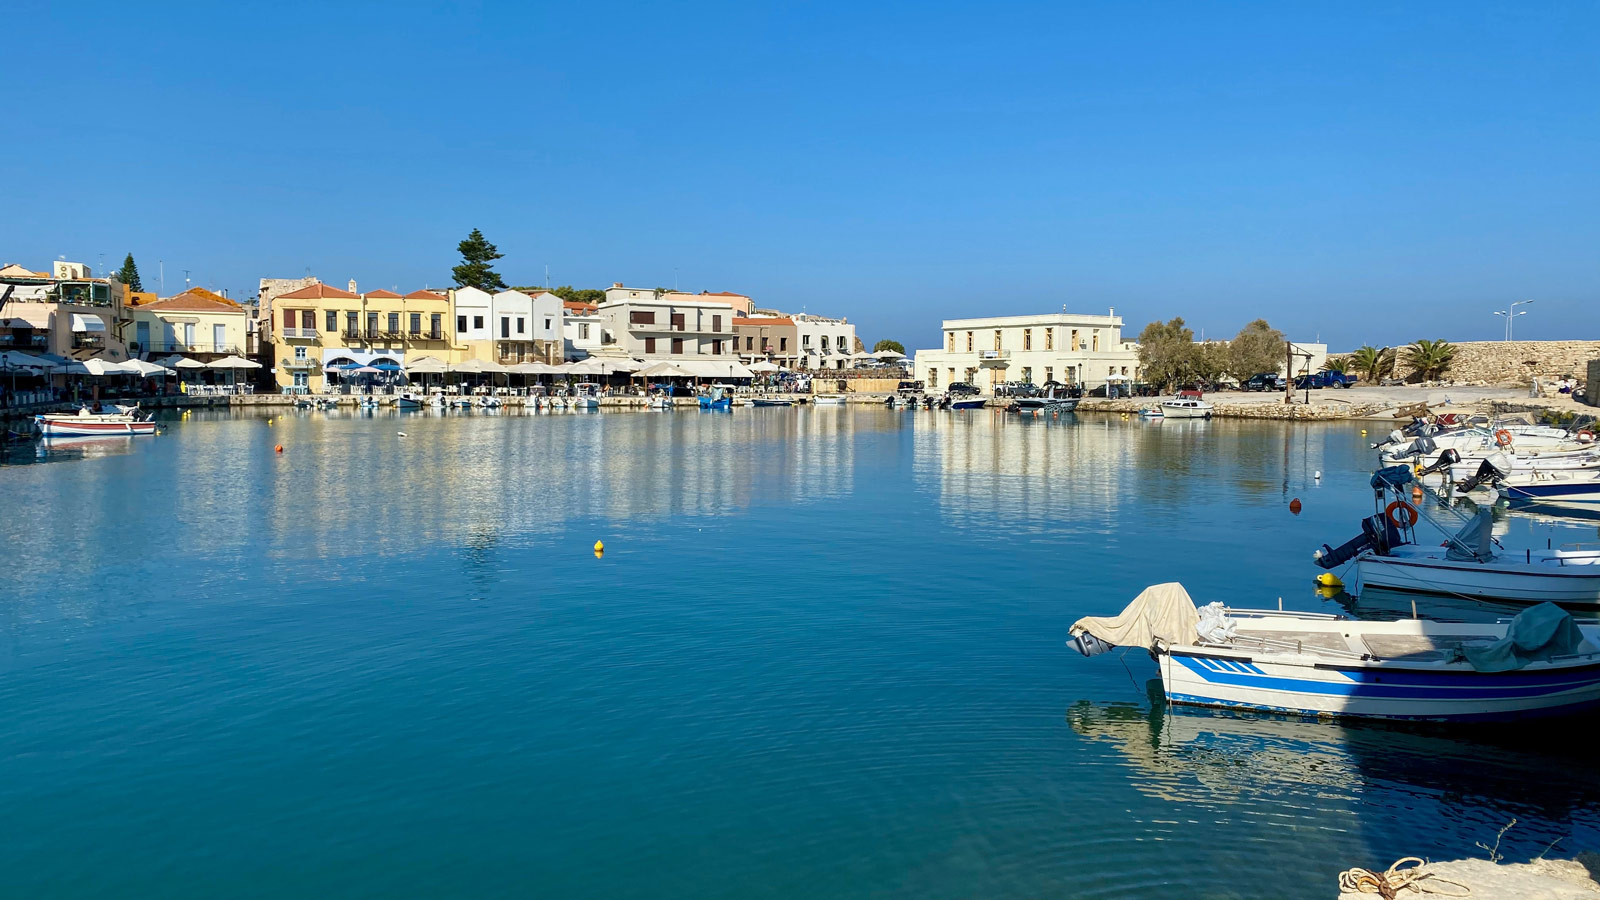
(1410, 512)
(1502, 437)
(1585, 436)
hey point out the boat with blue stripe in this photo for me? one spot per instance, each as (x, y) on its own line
(1540, 663)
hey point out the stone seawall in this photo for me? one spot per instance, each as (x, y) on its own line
(1512, 362)
(1257, 410)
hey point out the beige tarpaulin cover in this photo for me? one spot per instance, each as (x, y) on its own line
(1161, 611)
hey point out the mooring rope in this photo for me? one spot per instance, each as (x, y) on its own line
(1400, 877)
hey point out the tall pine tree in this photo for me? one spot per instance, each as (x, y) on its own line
(475, 271)
(129, 276)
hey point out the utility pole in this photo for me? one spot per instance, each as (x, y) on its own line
(161, 267)
(1511, 313)
(1288, 372)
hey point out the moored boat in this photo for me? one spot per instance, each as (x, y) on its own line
(86, 424)
(828, 400)
(770, 401)
(1540, 663)
(1185, 408)
(587, 396)
(970, 401)
(410, 400)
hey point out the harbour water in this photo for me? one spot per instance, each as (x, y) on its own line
(822, 655)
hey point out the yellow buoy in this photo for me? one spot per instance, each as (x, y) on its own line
(1328, 579)
(1363, 432)
(599, 547)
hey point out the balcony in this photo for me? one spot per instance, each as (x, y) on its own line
(301, 363)
(183, 347)
(425, 336)
(999, 358)
(86, 341)
(300, 334)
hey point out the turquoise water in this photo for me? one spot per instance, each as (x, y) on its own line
(822, 656)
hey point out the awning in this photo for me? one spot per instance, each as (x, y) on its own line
(82, 322)
(477, 366)
(180, 362)
(663, 370)
(426, 365)
(12, 360)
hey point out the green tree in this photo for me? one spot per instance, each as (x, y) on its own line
(476, 270)
(887, 344)
(1257, 348)
(129, 274)
(1166, 352)
(587, 295)
(1372, 362)
(1211, 360)
(1430, 359)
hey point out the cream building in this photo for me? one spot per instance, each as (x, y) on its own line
(320, 326)
(1066, 347)
(192, 323)
(67, 312)
(649, 328)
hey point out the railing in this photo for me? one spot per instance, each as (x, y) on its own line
(300, 333)
(994, 354)
(183, 347)
(88, 342)
(425, 336)
(300, 362)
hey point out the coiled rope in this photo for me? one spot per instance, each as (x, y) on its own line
(1399, 877)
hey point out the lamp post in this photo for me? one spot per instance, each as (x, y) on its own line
(1511, 313)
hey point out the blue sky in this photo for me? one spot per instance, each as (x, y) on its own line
(1362, 172)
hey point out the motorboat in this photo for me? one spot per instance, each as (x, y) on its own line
(1420, 439)
(1152, 412)
(829, 400)
(1540, 663)
(1558, 486)
(968, 401)
(717, 399)
(1186, 408)
(411, 400)
(1047, 403)
(587, 396)
(770, 401)
(1391, 553)
(489, 402)
(84, 423)
(662, 402)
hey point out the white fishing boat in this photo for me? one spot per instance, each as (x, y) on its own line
(587, 396)
(410, 400)
(1541, 663)
(1186, 408)
(1577, 486)
(1421, 440)
(828, 400)
(1044, 404)
(660, 403)
(84, 423)
(1390, 553)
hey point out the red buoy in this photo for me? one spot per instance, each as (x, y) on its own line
(1294, 506)
(278, 449)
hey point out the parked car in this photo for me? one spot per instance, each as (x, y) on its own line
(1264, 381)
(961, 388)
(1324, 379)
(909, 387)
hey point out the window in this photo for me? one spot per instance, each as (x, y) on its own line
(461, 324)
(749, 343)
(1124, 370)
(843, 344)
(477, 321)
(1049, 341)
(522, 325)
(548, 325)
(824, 343)
(583, 331)
(642, 317)
(952, 372)
(649, 345)
(416, 323)
(434, 324)
(933, 378)
(805, 340)
(1049, 373)
(300, 351)
(952, 342)
(188, 336)
(677, 346)
(1074, 340)
(1097, 340)
(716, 323)
(969, 342)
(1111, 371)
(505, 326)
(1027, 343)
(288, 318)
(1027, 375)
(352, 322)
(372, 324)
(677, 321)
(997, 340)
(716, 348)
(308, 320)
(394, 323)
(332, 320)
(219, 337)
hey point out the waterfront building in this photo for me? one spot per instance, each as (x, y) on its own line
(508, 327)
(643, 326)
(1070, 348)
(741, 304)
(320, 326)
(196, 323)
(770, 338)
(580, 329)
(67, 312)
(824, 342)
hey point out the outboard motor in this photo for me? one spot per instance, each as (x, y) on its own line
(1446, 459)
(1422, 446)
(1487, 472)
(1377, 533)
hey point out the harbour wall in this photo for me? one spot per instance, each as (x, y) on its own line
(1511, 362)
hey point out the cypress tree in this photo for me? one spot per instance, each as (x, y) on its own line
(129, 274)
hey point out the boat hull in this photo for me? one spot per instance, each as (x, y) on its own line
(1223, 680)
(708, 403)
(66, 426)
(1577, 585)
(1185, 412)
(825, 400)
(974, 403)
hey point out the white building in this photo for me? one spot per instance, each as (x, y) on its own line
(647, 328)
(580, 333)
(823, 342)
(1066, 347)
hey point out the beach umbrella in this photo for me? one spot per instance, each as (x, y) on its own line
(889, 355)
(180, 362)
(100, 368)
(232, 362)
(426, 365)
(763, 366)
(147, 369)
(364, 370)
(16, 361)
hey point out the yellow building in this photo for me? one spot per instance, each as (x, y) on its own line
(321, 326)
(195, 323)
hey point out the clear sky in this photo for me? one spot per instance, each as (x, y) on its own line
(1363, 172)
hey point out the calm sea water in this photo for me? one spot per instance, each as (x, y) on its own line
(822, 656)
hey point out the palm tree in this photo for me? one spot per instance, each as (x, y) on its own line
(1430, 358)
(1372, 362)
(1340, 364)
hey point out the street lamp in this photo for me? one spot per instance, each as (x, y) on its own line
(1511, 313)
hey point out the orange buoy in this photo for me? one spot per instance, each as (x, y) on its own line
(1502, 437)
(1294, 506)
(1406, 510)
(278, 449)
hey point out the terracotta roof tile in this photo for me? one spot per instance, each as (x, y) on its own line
(383, 294)
(195, 301)
(319, 292)
(425, 295)
(739, 320)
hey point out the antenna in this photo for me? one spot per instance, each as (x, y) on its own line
(547, 276)
(186, 278)
(161, 266)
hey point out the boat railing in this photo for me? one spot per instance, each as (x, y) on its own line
(1283, 645)
(1258, 613)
